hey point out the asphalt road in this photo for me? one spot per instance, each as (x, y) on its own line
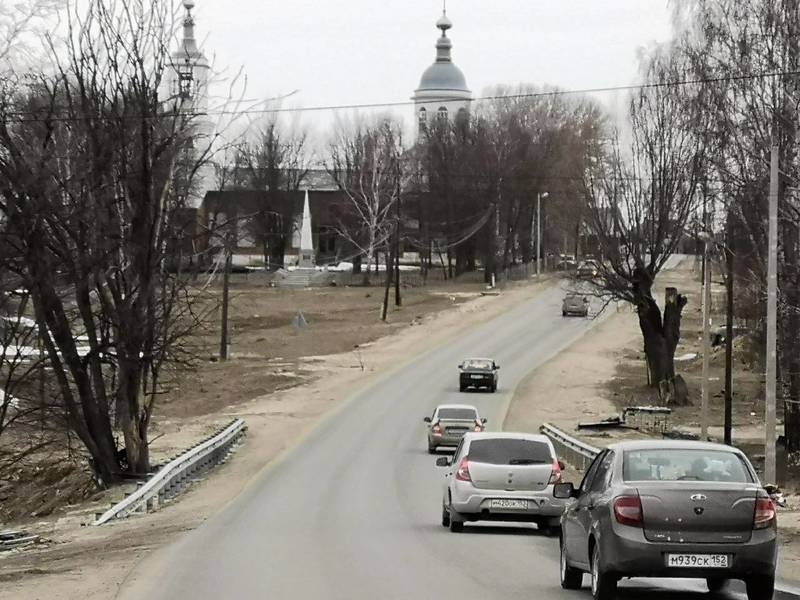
(353, 512)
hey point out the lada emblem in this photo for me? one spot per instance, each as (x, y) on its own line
(698, 497)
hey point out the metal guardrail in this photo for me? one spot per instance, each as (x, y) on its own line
(577, 453)
(173, 477)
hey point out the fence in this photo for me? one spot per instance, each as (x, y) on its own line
(577, 453)
(173, 477)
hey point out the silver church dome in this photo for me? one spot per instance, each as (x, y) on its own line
(443, 75)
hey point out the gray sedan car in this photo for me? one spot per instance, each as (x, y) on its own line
(575, 304)
(501, 476)
(449, 422)
(669, 509)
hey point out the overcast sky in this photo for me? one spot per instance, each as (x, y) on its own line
(360, 51)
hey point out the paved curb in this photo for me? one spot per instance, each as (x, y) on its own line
(784, 591)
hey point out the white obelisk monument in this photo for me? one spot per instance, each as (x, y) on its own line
(306, 260)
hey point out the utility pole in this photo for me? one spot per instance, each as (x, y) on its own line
(770, 474)
(223, 341)
(539, 197)
(729, 256)
(706, 336)
(398, 301)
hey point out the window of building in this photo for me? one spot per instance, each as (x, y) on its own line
(443, 112)
(185, 82)
(423, 119)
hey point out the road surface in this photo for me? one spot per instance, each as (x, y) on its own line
(353, 513)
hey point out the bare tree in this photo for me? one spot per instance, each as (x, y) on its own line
(94, 169)
(639, 202)
(20, 24)
(276, 161)
(750, 51)
(365, 162)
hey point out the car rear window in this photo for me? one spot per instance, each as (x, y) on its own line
(504, 451)
(684, 465)
(478, 364)
(461, 414)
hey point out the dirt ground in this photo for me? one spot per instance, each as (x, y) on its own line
(604, 372)
(80, 561)
(268, 353)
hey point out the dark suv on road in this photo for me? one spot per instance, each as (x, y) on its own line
(669, 509)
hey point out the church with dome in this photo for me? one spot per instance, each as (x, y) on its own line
(442, 92)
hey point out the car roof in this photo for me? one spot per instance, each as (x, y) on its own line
(441, 406)
(506, 435)
(479, 358)
(671, 445)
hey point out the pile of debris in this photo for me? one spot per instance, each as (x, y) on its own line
(13, 540)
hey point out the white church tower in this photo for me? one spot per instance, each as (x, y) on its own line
(442, 91)
(185, 88)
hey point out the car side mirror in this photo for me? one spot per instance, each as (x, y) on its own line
(460, 365)
(586, 301)
(564, 491)
(497, 367)
(442, 461)
(562, 466)
(483, 420)
(427, 419)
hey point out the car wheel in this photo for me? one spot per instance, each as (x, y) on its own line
(493, 388)
(760, 588)
(461, 387)
(604, 585)
(571, 578)
(563, 313)
(716, 584)
(445, 516)
(431, 449)
(456, 526)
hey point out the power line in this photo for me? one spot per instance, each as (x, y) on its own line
(375, 105)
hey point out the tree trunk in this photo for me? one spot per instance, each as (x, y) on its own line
(673, 309)
(387, 287)
(655, 343)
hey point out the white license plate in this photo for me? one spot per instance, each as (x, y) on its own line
(476, 376)
(698, 561)
(503, 503)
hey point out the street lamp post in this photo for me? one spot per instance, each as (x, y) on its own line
(539, 197)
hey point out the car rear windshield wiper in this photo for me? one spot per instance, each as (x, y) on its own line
(526, 461)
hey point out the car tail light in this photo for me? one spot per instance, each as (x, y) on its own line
(462, 473)
(628, 511)
(555, 474)
(765, 513)
(436, 429)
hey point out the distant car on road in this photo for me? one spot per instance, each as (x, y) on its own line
(575, 304)
(588, 269)
(478, 373)
(501, 476)
(566, 262)
(669, 509)
(449, 422)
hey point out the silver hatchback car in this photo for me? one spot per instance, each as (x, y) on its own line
(669, 509)
(498, 476)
